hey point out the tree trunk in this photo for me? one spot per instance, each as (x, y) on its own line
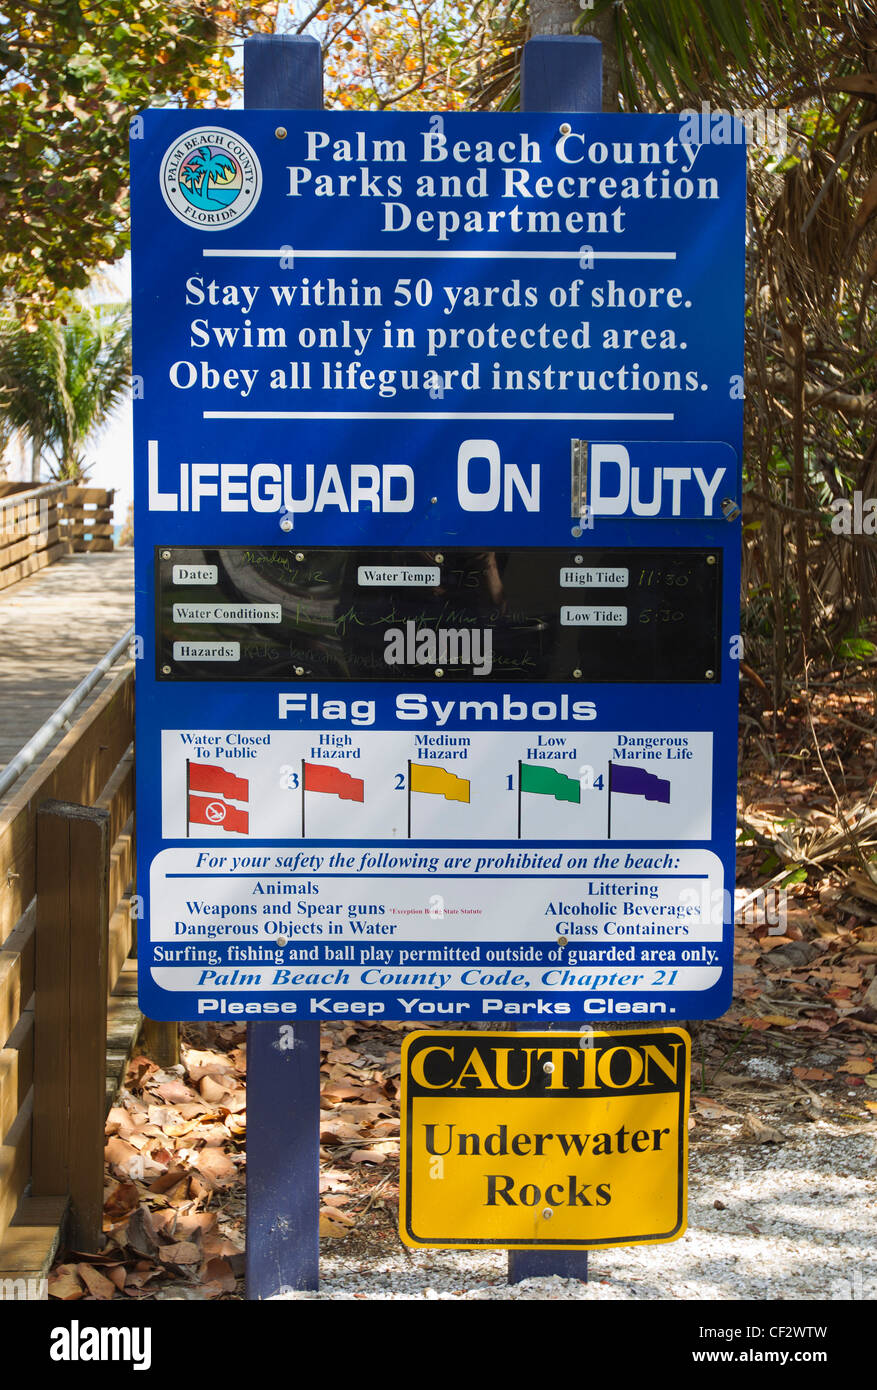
(558, 17)
(799, 493)
(553, 16)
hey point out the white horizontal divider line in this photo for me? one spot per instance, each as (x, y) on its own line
(427, 415)
(584, 253)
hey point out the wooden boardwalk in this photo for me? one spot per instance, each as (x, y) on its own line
(54, 628)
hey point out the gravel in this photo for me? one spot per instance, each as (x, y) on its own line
(765, 1222)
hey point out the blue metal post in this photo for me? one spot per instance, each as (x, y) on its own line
(562, 72)
(559, 72)
(283, 72)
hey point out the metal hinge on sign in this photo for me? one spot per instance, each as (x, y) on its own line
(578, 478)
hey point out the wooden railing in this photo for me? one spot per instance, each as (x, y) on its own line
(66, 879)
(30, 530)
(87, 518)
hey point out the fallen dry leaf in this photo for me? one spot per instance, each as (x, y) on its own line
(769, 1021)
(850, 979)
(216, 1166)
(342, 1217)
(389, 1126)
(214, 1090)
(330, 1227)
(182, 1252)
(217, 1244)
(137, 1278)
(335, 1091)
(140, 1234)
(200, 1064)
(140, 1070)
(218, 1272)
(858, 1066)
(169, 1180)
(755, 1131)
(174, 1092)
(211, 1136)
(337, 1131)
(705, 1105)
(201, 1187)
(124, 1198)
(96, 1283)
(119, 1120)
(190, 1225)
(119, 1151)
(64, 1284)
(165, 1222)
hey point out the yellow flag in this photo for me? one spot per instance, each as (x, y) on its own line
(439, 782)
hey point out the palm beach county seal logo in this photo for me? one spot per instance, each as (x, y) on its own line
(211, 178)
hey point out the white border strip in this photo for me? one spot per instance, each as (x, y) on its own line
(584, 252)
(425, 415)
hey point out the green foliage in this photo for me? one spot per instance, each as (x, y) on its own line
(73, 73)
(798, 875)
(61, 377)
(856, 649)
(690, 50)
(412, 55)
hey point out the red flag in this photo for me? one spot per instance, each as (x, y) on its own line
(319, 778)
(206, 777)
(212, 810)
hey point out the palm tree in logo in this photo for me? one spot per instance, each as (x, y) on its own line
(203, 170)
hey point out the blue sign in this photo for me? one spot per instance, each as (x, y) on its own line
(438, 424)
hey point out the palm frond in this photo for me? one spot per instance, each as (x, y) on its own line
(684, 49)
(61, 377)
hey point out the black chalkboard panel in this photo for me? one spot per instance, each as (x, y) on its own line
(609, 614)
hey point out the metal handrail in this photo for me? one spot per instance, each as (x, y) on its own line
(17, 498)
(44, 735)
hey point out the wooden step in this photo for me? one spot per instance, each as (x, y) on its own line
(29, 1246)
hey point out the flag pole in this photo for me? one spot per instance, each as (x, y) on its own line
(409, 798)
(188, 803)
(609, 816)
(519, 798)
(302, 798)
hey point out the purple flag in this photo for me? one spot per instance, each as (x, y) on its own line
(636, 781)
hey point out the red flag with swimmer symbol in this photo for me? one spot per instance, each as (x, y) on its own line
(213, 808)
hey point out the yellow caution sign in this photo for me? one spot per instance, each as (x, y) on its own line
(544, 1140)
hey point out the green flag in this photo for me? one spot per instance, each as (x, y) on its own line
(547, 781)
